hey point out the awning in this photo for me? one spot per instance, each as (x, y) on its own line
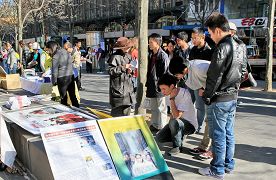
(180, 27)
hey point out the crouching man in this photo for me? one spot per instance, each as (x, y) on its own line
(183, 114)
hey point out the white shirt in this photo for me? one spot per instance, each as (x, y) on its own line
(184, 103)
(197, 74)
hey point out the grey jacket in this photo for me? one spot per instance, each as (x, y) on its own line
(11, 58)
(62, 65)
(121, 87)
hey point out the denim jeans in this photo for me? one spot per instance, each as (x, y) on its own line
(174, 132)
(221, 118)
(200, 109)
(13, 70)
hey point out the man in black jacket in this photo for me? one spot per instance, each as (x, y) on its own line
(224, 75)
(157, 67)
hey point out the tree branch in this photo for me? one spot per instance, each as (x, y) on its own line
(33, 10)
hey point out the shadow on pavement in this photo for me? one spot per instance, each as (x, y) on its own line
(256, 154)
(99, 105)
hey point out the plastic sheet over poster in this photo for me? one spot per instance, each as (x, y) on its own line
(78, 151)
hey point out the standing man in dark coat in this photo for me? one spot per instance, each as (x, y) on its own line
(157, 67)
(121, 89)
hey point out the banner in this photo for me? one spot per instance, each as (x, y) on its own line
(8, 151)
(78, 151)
(51, 115)
(132, 147)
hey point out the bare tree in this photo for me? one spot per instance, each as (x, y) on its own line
(7, 19)
(202, 9)
(269, 65)
(66, 12)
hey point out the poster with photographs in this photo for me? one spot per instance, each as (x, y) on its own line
(132, 147)
(50, 115)
(78, 151)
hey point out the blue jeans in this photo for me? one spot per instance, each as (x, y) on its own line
(200, 108)
(174, 132)
(13, 70)
(221, 117)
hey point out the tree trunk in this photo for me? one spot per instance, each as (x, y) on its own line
(269, 65)
(20, 30)
(143, 53)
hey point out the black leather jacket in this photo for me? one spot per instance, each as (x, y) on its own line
(153, 75)
(227, 68)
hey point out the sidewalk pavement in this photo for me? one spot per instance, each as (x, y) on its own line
(255, 134)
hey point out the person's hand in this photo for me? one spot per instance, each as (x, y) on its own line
(200, 92)
(128, 66)
(173, 93)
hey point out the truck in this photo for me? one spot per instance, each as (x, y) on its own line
(258, 65)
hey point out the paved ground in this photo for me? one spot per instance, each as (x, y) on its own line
(255, 134)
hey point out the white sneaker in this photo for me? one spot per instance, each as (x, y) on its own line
(207, 172)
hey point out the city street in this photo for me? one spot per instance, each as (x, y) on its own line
(254, 131)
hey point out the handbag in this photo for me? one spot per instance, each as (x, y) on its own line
(249, 81)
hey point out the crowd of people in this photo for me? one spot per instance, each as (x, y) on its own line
(190, 82)
(200, 80)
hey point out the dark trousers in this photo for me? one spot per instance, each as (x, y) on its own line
(78, 81)
(67, 84)
(121, 111)
(88, 67)
(174, 132)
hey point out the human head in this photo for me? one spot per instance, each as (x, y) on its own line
(198, 36)
(165, 46)
(177, 68)
(35, 47)
(123, 43)
(171, 45)
(218, 26)
(182, 39)
(7, 45)
(52, 47)
(138, 158)
(21, 43)
(68, 47)
(155, 41)
(30, 44)
(166, 84)
(233, 28)
(78, 44)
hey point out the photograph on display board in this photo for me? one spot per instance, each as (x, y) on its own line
(132, 147)
(137, 155)
(39, 117)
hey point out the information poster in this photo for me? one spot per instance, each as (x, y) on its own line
(51, 115)
(132, 147)
(78, 151)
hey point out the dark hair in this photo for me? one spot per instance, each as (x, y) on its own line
(198, 30)
(77, 41)
(157, 38)
(167, 79)
(183, 36)
(176, 65)
(217, 20)
(172, 42)
(53, 46)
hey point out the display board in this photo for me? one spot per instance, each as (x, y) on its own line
(51, 115)
(132, 147)
(78, 151)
